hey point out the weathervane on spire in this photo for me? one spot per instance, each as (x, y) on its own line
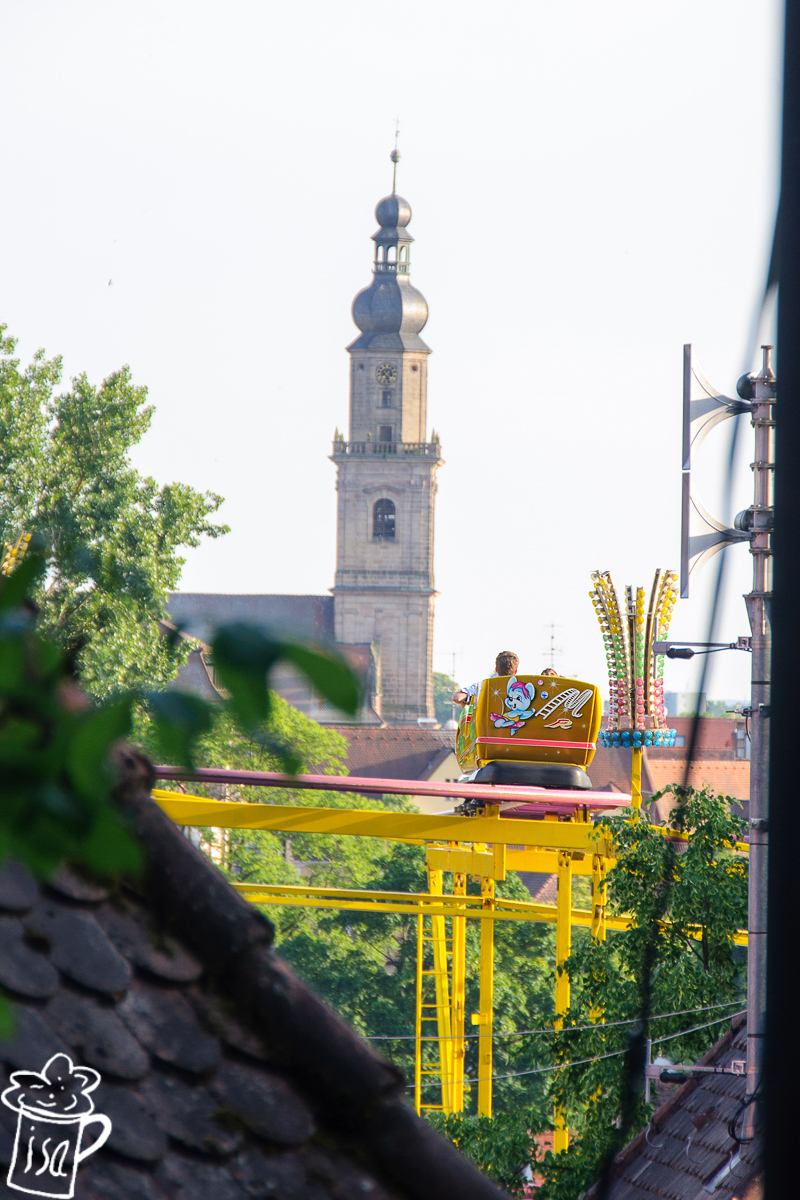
(395, 155)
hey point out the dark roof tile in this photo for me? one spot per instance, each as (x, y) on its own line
(18, 891)
(162, 956)
(342, 1180)
(98, 1034)
(134, 1133)
(271, 1177)
(22, 970)
(190, 1115)
(32, 1042)
(101, 1179)
(188, 1179)
(163, 1022)
(75, 887)
(264, 1103)
(79, 948)
(215, 1013)
(8, 1131)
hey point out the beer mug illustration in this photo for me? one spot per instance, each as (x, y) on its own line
(55, 1109)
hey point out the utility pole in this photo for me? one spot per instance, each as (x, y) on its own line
(701, 537)
(758, 521)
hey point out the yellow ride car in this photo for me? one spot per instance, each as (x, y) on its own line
(539, 730)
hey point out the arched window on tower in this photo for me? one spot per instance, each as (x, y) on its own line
(383, 520)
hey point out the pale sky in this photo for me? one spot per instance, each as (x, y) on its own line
(189, 188)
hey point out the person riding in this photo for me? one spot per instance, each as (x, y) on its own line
(506, 663)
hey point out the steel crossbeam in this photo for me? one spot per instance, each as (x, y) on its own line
(417, 828)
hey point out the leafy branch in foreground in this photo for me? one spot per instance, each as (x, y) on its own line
(54, 749)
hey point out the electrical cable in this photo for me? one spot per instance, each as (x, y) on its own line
(412, 1037)
(532, 1070)
(685, 1032)
(579, 1062)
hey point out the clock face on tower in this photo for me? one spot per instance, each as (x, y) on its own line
(386, 373)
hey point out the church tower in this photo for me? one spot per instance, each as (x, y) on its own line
(386, 479)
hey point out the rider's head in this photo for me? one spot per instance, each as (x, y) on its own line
(550, 671)
(506, 663)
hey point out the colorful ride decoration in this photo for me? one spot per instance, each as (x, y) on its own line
(530, 718)
(636, 712)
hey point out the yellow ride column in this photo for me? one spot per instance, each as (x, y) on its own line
(458, 995)
(485, 1018)
(563, 946)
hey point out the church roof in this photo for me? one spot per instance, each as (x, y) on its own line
(306, 617)
(224, 1076)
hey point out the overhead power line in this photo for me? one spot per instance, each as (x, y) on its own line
(411, 1037)
(579, 1062)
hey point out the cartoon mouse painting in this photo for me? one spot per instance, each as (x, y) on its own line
(518, 706)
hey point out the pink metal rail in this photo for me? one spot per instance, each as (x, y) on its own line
(516, 801)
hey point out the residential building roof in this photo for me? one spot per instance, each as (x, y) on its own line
(715, 735)
(396, 751)
(724, 776)
(687, 1152)
(224, 1076)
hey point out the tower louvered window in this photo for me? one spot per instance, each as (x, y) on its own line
(383, 519)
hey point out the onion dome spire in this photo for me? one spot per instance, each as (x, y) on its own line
(390, 312)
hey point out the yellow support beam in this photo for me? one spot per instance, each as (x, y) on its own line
(485, 1018)
(599, 896)
(458, 977)
(636, 779)
(442, 995)
(563, 948)
(412, 903)
(196, 811)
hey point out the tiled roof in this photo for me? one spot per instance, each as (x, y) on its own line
(713, 733)
(726, 776)
(688, 1142)
(199, 613)
(542, 887)
(224, 1076)
(395, 752)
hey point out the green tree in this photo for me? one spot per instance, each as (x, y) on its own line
(112, 537)
(687, 901)
(443, 688)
